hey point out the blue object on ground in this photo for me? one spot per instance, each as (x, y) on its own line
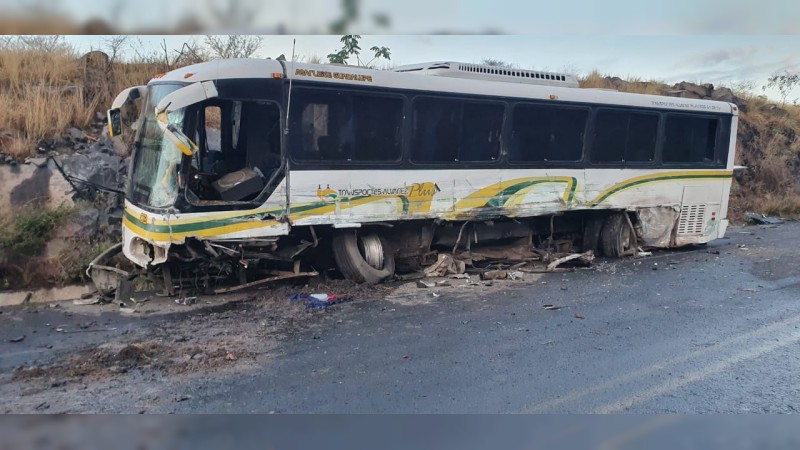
(316, 301)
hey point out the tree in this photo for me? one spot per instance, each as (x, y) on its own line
(351, 48)
(113, 46)
(42, 43)
(233, 46)
(785, 82)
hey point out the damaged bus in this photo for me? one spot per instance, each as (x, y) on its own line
(251, 170)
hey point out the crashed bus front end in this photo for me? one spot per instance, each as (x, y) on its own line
(207, 192)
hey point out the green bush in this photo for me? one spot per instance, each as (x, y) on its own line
(26, 232)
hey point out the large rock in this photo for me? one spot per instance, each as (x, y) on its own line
(38, 184)
(692, 90)
(724, 94)
(617, 82)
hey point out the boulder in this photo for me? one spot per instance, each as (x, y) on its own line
(38, 183)
(724, 94)
(695, 90)
(616, 82)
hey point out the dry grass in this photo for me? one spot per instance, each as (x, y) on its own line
(768, 144)
(43, 91)
(632, 84)
(39, 96)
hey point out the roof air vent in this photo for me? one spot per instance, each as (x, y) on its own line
(490, 73)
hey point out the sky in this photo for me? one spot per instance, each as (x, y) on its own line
(537, 17)
(725, 42)
(728, 60)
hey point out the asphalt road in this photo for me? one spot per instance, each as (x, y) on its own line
(709, 329)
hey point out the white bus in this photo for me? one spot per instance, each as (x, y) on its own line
(246, 165)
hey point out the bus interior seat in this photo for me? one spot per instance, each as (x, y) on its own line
(240, 185)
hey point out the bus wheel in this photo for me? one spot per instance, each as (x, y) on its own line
(616, 239)
(363, 258)
(591, 233)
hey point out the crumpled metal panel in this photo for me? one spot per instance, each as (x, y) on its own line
(657, 225)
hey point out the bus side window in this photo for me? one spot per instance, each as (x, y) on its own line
(447, 130)
(624, 136)
(548, 133)
(690, 139)
(345, 126)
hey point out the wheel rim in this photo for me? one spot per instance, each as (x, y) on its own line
(371, 250)
(625, 238)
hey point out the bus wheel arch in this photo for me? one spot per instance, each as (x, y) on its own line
(618, 237)
(363, 256)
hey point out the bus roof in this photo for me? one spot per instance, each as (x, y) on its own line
(431, 82)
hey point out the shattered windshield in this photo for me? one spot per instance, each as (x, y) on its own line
(154, 179)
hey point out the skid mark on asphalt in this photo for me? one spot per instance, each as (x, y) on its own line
(776, 330)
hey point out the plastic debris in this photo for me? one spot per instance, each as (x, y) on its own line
(316, 301)
(579, 316)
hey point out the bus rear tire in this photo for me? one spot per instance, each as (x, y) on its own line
(616, 237)
(591, 233)
(356, 258)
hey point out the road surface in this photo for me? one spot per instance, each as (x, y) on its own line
(714, 328)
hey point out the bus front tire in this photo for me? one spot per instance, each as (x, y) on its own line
(348, 246)
(616, 238)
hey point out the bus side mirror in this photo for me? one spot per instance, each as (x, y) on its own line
(114, 122)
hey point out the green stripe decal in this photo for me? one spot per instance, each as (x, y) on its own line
(499, 200)
(630, 184)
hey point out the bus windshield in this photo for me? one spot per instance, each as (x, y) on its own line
(154, 176)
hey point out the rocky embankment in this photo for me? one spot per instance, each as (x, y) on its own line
(83, 168)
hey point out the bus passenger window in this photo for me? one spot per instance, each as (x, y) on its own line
(213, 122)
(345, 126)
(446, 130)
(547, 133)
(622, 136)
(690, 139)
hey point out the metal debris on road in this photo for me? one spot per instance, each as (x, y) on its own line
(17, 339)
(494, 275)
(763, 219)
(445, 265)
(87, 301)
(186, 301)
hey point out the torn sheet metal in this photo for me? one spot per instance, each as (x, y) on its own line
(104, 276)
(657, 224)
